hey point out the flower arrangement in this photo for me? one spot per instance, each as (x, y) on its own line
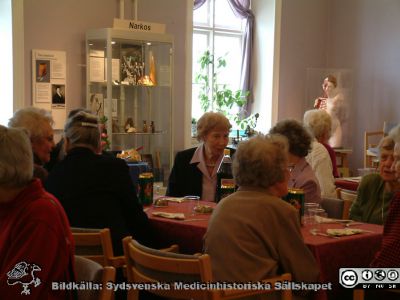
(105, 142)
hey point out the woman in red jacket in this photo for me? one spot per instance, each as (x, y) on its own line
(36, 245)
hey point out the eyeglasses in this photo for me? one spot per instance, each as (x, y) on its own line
(290, 168)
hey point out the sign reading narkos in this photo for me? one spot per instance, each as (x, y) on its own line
(139, 26)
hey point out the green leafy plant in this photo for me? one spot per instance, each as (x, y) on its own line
(219, 97)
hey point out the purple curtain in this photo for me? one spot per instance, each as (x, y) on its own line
(241, 8)
(198, 3)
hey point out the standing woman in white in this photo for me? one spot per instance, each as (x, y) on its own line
(333, 103)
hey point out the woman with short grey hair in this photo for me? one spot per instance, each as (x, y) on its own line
(82, 130)
(302, 175)
(16, 163)
(96, 190)
(38, 122)
(261, 231)
(251, 162)
(35, 233)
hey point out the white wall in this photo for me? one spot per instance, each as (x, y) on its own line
(360, 35)
(61, 25)
(263, 61)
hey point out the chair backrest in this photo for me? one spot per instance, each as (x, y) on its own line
(371, 140)
(348, 198)
(333, 207)
(146, 265)
(94, 244)
(88, 270)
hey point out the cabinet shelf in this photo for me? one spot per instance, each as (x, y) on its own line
(139, 133)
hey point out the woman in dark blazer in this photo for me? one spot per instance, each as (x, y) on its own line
(195, 170)
(95, 190)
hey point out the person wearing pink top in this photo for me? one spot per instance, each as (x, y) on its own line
(302, 175)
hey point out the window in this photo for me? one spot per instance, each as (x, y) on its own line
(217, 29)
(6, 75)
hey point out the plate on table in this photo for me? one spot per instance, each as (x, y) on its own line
(344, 231)
(203, 209)
(161, 202)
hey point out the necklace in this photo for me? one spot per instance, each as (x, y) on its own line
(210, 164)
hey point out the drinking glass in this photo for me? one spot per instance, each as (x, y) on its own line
(191, 203)
(317, 214)
(308, 219)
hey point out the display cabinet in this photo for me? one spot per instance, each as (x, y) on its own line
(129, 81)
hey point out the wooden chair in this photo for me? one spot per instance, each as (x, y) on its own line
(89, 271)
(371, 140)
(146, 265)
(348, 198)
(95, 244)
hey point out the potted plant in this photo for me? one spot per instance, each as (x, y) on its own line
(219, 97)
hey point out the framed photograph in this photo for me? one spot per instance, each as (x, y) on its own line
(132, 63)
(42, 71)
(58, 95)
(96, 103)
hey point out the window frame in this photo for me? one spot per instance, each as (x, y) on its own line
(211, 30)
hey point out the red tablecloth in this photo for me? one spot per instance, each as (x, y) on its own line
(331, 254)
(188, 233)
(349, 251)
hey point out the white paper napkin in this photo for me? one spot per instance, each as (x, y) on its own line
(173, 199)
(178, 216)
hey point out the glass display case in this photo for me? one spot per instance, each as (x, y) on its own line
(129, 83)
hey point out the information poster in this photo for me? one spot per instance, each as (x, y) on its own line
(49, 83)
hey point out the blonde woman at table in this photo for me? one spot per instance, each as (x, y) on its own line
(375, 191)
(302, 175)
(261, 231)
(195, 170)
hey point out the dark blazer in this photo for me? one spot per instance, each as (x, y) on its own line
(58, 99)
(97, 192)
(185, 178)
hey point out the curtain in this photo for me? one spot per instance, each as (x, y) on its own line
(198, 3)
(241, 8)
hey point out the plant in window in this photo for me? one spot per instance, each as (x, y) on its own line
(216, 96)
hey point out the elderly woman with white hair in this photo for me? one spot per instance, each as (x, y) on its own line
(195, 169)
(35, 236)
(388, 255)
(96, 190)
(261, 231)
(39, 124)
(318, 122)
